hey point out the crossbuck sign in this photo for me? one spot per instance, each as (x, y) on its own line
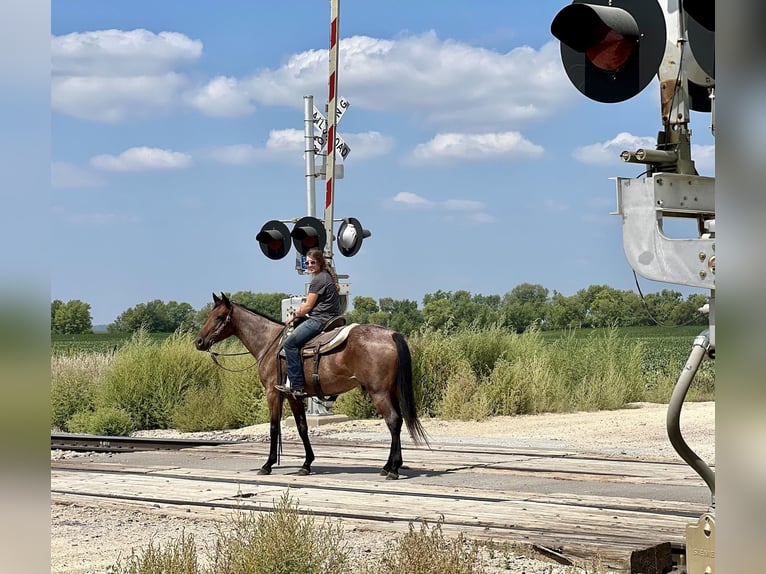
(320, 141)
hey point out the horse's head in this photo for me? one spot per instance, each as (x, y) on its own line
(218, 325)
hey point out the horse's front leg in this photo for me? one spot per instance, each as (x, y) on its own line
(274, 401)
(299, 412)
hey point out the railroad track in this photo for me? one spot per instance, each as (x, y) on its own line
(572, 505)
(95, 443)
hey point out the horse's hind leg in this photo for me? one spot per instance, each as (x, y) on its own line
(299, 412)
(393, 420)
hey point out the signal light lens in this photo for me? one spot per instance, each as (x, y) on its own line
(612, 52)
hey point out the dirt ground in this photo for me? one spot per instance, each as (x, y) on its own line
(87, 540)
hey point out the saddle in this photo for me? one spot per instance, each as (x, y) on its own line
(334, 333)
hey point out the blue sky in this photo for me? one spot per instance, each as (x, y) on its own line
(177, 132)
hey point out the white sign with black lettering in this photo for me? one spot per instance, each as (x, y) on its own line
(320, 141)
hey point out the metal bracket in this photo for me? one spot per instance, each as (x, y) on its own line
(643, 203)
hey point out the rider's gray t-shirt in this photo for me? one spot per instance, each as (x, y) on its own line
(328, 301)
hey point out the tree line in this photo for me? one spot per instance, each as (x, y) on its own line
(526, 305)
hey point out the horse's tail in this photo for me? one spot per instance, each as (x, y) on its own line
(407, 392)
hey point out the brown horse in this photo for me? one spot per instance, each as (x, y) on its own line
(373, 357)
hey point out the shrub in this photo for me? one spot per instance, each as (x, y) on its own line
(463, 399)
(149, 380)
(355, 404)
(180, 557)
(280, 542)
(107, 421)
(434, 356)
(71, 393)
(427, 551)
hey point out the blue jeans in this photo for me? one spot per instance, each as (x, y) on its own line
(292, 345)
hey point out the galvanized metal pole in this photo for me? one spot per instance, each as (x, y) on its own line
(308, 131)
(332, 122)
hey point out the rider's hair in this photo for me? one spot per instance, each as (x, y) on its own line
(318, 255)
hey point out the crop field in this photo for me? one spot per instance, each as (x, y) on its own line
(665, 349)
(94, 342)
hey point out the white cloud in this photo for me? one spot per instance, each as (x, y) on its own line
(121, 53)
(142, 159)
(112, 99)
(69, 176)
(444, 81)
(490, 146)
(411, 200)
(469, 210)
(440, 82)
(289, 144)
(704, 159)
(367, 145)
(222, 97)
(608, 152)
(109, 75)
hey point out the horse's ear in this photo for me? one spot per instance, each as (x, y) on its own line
(225, 299)
(216, 300)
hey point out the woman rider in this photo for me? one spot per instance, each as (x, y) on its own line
(322, 304)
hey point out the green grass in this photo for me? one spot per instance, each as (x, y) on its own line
(147, 380)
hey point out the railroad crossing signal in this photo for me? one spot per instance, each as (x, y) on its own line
(274, 239)
(307, 234)
(611, 49)
(350, 236)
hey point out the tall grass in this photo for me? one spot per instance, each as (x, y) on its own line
(469, 374)
(152, 383)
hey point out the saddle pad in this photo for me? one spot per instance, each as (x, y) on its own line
(327, 341)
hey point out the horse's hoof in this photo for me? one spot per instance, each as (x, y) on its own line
(384, 472)
(392, 476)
(264, 471)
(304, 472)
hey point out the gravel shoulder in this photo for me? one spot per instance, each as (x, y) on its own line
(86, 540)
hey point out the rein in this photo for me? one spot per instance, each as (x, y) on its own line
(214, 356)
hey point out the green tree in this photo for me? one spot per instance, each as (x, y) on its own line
(565, 312)
(364, 308)
(56, 304)
(71, 318)
(404, 315)
(524, 306)
(156, 317)
(437, 313)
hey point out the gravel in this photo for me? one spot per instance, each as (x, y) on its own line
(87, 540)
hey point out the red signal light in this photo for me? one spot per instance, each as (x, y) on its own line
(612, 52)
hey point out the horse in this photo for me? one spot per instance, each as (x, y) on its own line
(374, 357)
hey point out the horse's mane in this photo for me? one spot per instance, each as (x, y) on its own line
(254, 312)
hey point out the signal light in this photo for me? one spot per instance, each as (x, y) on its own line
(274, 238)
(611, 49)
(700, 31)
(308, 233)
(350, 236)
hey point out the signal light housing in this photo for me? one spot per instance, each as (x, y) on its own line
(308, 233)
(274, 239)
(611, 49)
(700, 31)
(350, 236)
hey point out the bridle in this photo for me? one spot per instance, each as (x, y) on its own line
(214, 356)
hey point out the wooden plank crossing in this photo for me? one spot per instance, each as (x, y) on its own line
(579, 525)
